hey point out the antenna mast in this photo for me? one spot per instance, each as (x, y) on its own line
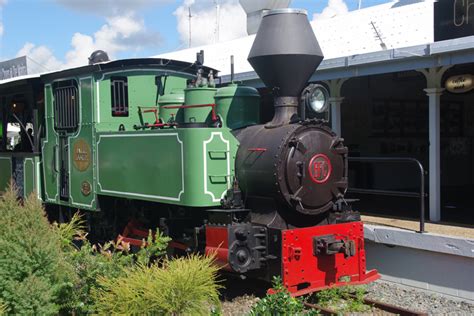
(217, 20)
(189, 17)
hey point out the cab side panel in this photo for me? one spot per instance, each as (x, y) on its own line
(49, 151)
(81, 162)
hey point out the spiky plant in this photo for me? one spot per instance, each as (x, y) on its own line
(183, 286)
(34, 276)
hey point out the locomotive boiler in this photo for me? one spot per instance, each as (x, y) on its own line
(141, 144)
(292, 174)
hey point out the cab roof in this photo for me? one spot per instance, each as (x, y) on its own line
(185, 68)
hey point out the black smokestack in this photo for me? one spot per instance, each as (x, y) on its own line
(285, 54)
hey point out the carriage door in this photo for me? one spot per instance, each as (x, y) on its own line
(66, 122)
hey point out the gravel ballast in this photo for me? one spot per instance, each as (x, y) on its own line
(387, 292)
(417, 299)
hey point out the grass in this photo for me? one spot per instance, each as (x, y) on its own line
(343, 299)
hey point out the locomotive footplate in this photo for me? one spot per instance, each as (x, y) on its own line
(320, 257)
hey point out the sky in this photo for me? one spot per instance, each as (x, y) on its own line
(59, 34)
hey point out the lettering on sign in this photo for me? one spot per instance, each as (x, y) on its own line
(453, 19)
(460, 83)
(461, 12)
(81, 155)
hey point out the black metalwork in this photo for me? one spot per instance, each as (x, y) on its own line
(330, 245)
(285, 52)
(98, 56)
(119, 93)
(272, 167)
(421, 194)
(66, 107)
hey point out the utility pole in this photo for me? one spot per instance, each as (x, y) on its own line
(189, 17)
(360, 4)
(217, 20)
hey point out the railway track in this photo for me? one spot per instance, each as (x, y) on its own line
(376, 305)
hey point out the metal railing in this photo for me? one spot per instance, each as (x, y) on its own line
(421, 194)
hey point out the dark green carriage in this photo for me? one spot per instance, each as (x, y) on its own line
(21, 112)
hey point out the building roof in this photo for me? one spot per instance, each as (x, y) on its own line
(392, 25)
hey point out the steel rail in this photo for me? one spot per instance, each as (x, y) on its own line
(377, 304)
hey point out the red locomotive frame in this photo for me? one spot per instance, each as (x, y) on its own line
(312, 258)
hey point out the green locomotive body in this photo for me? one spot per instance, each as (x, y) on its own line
(99, 138)
(142, 144)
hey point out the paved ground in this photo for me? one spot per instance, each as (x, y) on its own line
(442, 229)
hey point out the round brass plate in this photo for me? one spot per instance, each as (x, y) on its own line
(86, 188)
(81, 155)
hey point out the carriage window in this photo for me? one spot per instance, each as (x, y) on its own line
(119, 96)
(66, 106)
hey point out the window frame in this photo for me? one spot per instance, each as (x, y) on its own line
(119, 94)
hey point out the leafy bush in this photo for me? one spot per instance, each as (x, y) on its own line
(35, 278)
(3, 308)
(92, 262)
(183, 286)
(53, 269)
(279, 303)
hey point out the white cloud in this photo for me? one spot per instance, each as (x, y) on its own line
(109, 7)
(118, 34)
(41, 58)
(204, 29)
(334, 8)
(2, 4)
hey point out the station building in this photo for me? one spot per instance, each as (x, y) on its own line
(401, 81)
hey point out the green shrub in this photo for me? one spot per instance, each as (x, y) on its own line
(3, 308)
(92, 262)
(43, 270)
(183, 286)
(35, 278)
(279, 303)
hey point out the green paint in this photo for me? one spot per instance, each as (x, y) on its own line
(184, 166)
(198, 96)
(143, 91)
(49, 151)
(29, 174)
(238, 106)
(85, 134)
(174, 98)
(5, 172)
(175, 166)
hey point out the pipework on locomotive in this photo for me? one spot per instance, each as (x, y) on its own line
(141, 144)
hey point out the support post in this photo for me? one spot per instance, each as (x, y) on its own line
(434, 91)
(434, 96)
(335, 104)
(335, 101)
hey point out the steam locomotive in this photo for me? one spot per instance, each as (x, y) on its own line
(146, 143)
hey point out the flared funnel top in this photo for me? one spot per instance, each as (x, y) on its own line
(285, 52)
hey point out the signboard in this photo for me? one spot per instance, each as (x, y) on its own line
(453, 19)
(13, 68)
(460, 83)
